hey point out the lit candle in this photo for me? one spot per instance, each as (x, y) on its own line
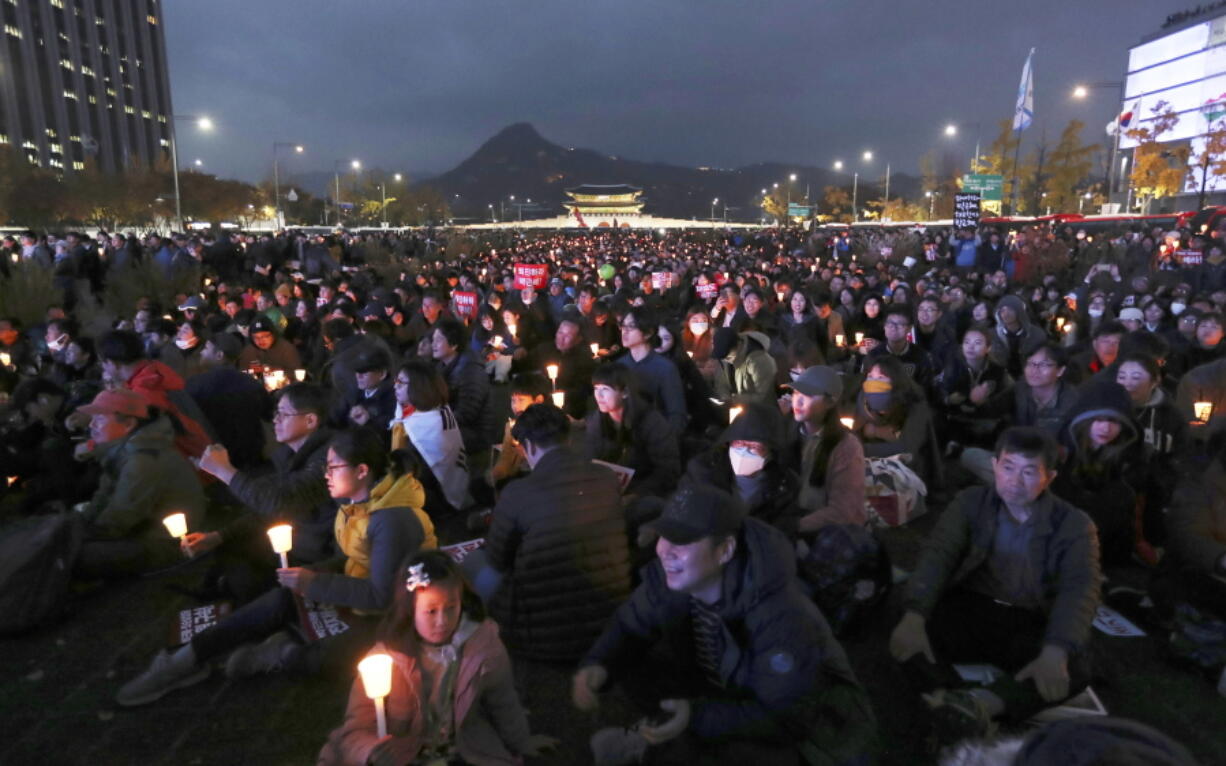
(1059, 323)
(559, 399)
(595, 349)
(733, 412)
(1203, 411)
(847, 422)
(5, 359)
(376, 670)
(1068, 327)
(782, 295)
(282, 538)
(859, 338)
(552, 371)
(12, 480)
(176, 525)
(299, 375)
(838, 339)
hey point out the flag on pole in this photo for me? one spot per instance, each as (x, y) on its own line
(1023, 113)
(1125, 118)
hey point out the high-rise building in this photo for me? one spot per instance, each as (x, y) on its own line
(84, 81)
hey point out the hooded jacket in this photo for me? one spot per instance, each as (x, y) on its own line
(375, 536)
(780, 658)
(750, 377)
(143, 479)
(165, 389)
(488, 720)
(1008, 348)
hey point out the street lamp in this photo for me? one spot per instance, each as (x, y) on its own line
(202, 123)
(714, 202)
(383, 193)
(838, 164)
(276, 175)
(951, 130)
(868, 157)
(199, 163)
(1082, 92)
(336, 169)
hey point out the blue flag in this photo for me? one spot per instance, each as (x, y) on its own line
(1023, 112)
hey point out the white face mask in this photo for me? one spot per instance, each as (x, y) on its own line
(744, 462)
(1096, 313)
(185, 343)
(1177, 308)
(698, 328)
(59, 344)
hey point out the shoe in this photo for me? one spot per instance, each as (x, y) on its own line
(268, 656)
(957, 715)
(162, 676)
(618, 746)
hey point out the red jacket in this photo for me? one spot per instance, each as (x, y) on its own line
(165, 390)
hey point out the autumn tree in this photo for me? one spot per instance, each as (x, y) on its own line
(1209, 164)
(998, 159)
(837, 202)
(1068, 168)
(1157, 171)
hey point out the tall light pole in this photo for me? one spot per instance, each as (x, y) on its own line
(1083, 92)
(714, 202)
(336, 169)
(951, 131)
(383, 193)
(276, 175)
(204, 124)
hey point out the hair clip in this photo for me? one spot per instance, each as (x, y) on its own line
(417, 578)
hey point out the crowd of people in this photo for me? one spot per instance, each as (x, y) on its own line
(706, 435)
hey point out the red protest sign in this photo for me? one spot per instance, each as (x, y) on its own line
(465, 304)
(534, 275)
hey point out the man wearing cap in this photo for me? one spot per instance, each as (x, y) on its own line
(373, 399)
(268, 348)
(721, 637)
(143, 480)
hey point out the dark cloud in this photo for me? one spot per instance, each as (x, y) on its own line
(419, 84)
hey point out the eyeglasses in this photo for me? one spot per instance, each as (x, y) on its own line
(282, 415)
(330, 469)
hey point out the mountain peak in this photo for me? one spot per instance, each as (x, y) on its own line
(517, 135)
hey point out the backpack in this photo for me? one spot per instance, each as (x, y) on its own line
(37, 555)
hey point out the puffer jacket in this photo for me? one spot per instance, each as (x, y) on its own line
(781, 662)
(1063, 546)
(647, 444)
(143, 479)
(469, 388)
(559, 536)
(375, 536)
(1009, 349)
(489, 723)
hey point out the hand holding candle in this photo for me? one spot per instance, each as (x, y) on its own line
(376, 670)
(176, 525)
(552, 371)
(559, 399)
(1203, 412)
(282, 538)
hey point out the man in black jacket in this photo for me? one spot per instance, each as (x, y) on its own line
(558, 537)
(233, 401)
(749, 667)
(295, 492)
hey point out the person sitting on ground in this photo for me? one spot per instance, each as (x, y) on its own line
(1103, 466)
(625, 431)
(467, 384)
(657, 378)
(425, 421)
(1009, 576)
(573, 361)
(967, 387)
(747, 375)
(558, 538)
(373, 401)
(378, 525)
(438, 637)
(234, 403)
(719, 636)
(268, 349)
(143, 479)
(892, 418)
(295, 491)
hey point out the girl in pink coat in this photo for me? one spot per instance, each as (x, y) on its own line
(452, 697)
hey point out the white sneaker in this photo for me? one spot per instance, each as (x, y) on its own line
(268, 656)
(160, 677)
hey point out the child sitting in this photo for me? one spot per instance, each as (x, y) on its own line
(452, 697)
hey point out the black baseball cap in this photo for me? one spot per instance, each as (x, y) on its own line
(697, 511)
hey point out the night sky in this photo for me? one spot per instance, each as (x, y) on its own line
(417, 85)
